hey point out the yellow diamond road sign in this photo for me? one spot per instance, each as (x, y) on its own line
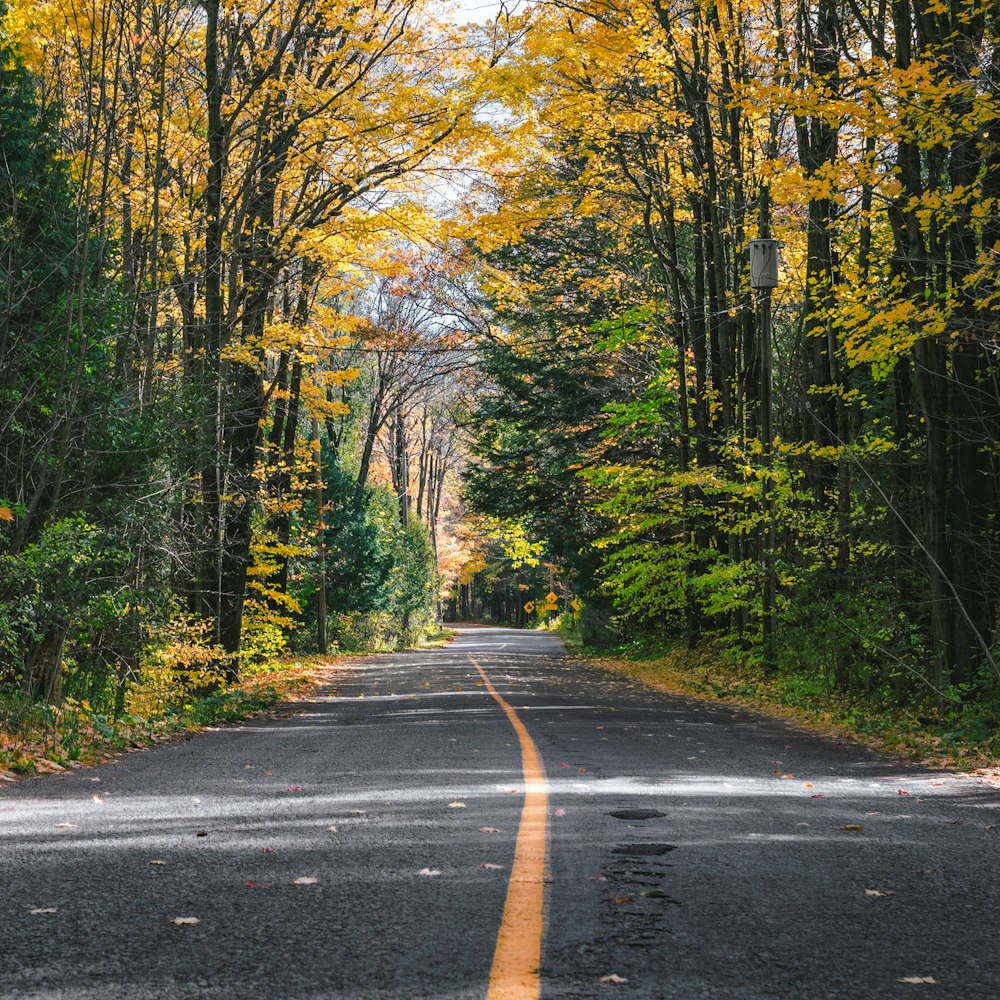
(529, 607)
(576, 604)
(551, 598)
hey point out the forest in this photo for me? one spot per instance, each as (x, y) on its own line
(324, 320)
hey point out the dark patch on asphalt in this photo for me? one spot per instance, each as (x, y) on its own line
(637, 814)
(644, 850)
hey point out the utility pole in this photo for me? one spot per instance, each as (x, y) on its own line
(764, 277)
(320, 541)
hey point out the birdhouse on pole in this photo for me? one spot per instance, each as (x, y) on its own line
(763, 263)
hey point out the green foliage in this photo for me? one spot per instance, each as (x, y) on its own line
(381, 578)
(74, 451)
(414, 583)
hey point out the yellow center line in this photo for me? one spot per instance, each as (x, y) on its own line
(518, 957)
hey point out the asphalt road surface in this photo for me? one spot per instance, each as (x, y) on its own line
(752, 876)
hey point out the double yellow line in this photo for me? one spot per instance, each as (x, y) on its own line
(517, 960)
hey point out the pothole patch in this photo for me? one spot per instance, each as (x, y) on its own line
(644, 850)
(637, 814)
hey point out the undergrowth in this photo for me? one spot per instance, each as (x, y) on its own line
(41, 739)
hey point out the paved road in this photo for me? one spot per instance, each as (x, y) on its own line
(746, 883)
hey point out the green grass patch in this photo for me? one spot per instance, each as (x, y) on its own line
(436, 639)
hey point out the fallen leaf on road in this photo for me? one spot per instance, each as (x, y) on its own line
(918, 979)
(937, 784)
(357, 812)
(613, 979)
(305, 880)
(65, 826)
(185, 920)
(456, 805)
(558, 812)
(488, 829)
(292, 788)
(851, 828)
(156, 861)
(986, 826)
(880, 892)
(96, 798)
(564, 765)
(818, 795)
(202, 833)
(429, 871)
(808, 784)
(953, 822)
(622, 899)
(653, 894)
(784, 777)
(490, 867)
(902, 791)
(331, 829)
(44, 909)
(598, 878)
(251, 884)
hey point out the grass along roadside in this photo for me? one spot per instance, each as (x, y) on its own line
(40, 739)
(951, 740)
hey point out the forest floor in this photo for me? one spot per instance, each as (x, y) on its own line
(954, 740)
(36, 739)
